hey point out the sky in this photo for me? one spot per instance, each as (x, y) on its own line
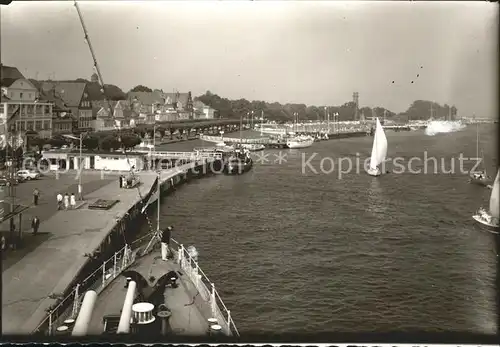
(316, 53)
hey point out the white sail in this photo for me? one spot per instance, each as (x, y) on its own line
(494, 199)
(379, 149)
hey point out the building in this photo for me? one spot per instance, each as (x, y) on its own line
(75, 96)
(203, 111)
(63, 120)
(166, 107)
(21, 107)
(113, 161)
(122, 117)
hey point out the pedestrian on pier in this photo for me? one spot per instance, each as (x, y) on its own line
(36, 195)
(121, 181)
(165, 242)
(66, 201)
(35, 224)
(59, 201)
(72, 201)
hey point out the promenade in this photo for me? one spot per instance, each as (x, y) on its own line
(52, 266)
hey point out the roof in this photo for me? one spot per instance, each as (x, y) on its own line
(147, 98)
(51, 96)
(70, 92)
(7, 82)
(10, 72)
(182, 97)
(199, 104)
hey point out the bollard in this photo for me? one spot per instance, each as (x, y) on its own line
(215, 330)
(164, 317)
(62, 330)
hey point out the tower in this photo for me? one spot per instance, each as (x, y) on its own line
(355, 99)
(94, 78)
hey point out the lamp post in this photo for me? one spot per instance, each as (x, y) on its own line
(80, 192)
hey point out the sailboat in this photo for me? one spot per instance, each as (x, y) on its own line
(490, 218)
(379, 150)
(479, 177)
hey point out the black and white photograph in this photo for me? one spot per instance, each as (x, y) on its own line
(249, 171)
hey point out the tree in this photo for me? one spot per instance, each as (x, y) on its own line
(90, 142)
(38, 142)
(129, 141)
(141, 88)
(110, 142)
(57, 142)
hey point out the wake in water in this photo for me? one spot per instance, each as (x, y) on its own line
(443, 126)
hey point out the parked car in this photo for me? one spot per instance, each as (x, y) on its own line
(5, 181)
(28, 175)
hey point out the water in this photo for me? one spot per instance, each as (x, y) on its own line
(294, 252)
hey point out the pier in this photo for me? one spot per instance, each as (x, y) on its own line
(38, 281)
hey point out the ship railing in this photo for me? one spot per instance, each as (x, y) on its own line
(207, 290)
(69, 306)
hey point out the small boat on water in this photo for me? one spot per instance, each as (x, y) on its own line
(238, 163)
(490, 218)
(379, 150)
(254, 147)
(300, 142)
(479, 177)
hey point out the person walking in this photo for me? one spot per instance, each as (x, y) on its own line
(72, 201)
(165, 242)
(35, 224)
(36, 195)
(59, 201)
(66, 201)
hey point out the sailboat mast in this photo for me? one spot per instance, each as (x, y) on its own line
(477, 140)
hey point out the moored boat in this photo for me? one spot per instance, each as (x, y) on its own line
(254, 147)
(238, 163)
(300, 142)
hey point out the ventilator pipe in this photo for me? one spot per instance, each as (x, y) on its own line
(85, 314)
(124, 325)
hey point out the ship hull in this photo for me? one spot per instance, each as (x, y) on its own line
(374, 172)
(299, 144)
(238, 168)
(492, 228)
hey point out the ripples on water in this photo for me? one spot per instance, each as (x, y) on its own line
(308, 253)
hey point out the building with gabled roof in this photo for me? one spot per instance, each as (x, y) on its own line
(10, 72)
(75, 96)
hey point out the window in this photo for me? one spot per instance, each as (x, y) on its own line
(38, 125)
(1, 108)
(20, 95)
(29, 125)
(29, 109)
(30, 95)
(46, 125)
(23, 125)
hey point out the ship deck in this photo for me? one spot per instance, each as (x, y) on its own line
(189, 312)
